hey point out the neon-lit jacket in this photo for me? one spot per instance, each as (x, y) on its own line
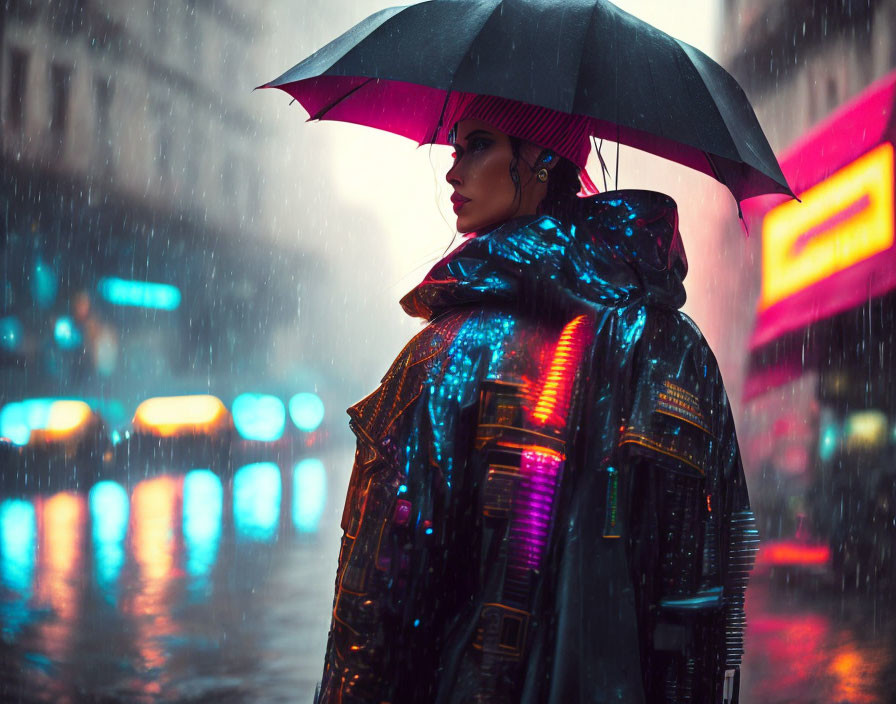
(547, 502)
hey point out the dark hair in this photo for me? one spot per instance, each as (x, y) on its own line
(560, 201)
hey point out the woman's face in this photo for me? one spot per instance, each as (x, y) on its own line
(481, 174)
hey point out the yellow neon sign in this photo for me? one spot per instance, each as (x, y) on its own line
(842, 221)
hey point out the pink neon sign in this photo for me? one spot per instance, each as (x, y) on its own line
(836, 249)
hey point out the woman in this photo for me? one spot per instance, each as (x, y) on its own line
(547, 502)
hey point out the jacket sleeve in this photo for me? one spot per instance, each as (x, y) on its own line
(691, 535)
(406, 512)
(367, 644)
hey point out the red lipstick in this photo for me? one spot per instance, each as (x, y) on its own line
(458, 201)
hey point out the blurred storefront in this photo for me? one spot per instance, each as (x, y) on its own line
(138, 244)
(807, 332)
(824, 332)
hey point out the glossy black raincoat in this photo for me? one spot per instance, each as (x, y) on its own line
(547, 502)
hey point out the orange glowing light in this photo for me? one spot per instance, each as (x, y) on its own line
(845, 219)
(856, 673)
(65, 420)
(154, 505)
(63, 518)
(553, 401)
(67, 417)
(152, 526)
(789, 552)
(179, 415)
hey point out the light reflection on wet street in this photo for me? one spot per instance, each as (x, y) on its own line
(185, 588)
(810, 642)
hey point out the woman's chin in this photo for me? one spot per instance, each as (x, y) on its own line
(463, 225)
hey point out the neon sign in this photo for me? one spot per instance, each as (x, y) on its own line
(842, 221)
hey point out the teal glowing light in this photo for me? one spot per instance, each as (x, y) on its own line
(11, 333)
(827, 441)
(109, 510)
(17, 420)
(142, 294)
(256, 501)
(43, 284)
(259, 417)
(202, 509)
(18, 537)
(66, 333)
(306, 411)
(309, 495)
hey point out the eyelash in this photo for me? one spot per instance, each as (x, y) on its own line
(476, 141)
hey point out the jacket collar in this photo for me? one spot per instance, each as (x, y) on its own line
(626, 249)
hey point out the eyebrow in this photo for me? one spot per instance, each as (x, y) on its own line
(473, 134)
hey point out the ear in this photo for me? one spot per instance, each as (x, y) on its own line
(547, 159)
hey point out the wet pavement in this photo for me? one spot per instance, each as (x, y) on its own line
(181, 588)
(185, 589)
(810, 641)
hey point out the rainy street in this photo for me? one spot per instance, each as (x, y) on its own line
(215, 218)
(182, 588)
(186, 590)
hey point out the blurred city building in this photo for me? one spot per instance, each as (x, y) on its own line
(818, 356)
(136, 249)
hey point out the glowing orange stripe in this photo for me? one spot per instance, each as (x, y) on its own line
(791, 553)
(553, 401)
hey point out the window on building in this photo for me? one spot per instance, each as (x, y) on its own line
(193, 34)
(192, 173)
(60, 84)
(888, 37)
(160, 20)
(67, 16)
(18, 84)
(164, 116)
(103, 89)
(22, 10)
(832, 94)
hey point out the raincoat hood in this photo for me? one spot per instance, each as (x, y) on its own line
(626, 249)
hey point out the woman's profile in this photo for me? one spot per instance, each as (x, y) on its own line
(547, 502)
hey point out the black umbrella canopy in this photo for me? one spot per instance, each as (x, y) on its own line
(642, 87)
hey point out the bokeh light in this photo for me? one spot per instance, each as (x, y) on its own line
(260, 417)
(309, 494)
(306, 410)
(257, 490)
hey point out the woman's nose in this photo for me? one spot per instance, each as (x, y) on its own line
(451, 176)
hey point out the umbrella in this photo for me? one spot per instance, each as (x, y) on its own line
(396, 69)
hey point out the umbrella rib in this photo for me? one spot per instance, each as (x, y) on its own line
(711, 101)
(721, 179)
(450, 89)
(323, 111)
(435, 133)
(575, 90)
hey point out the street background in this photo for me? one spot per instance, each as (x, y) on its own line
(169, 231)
